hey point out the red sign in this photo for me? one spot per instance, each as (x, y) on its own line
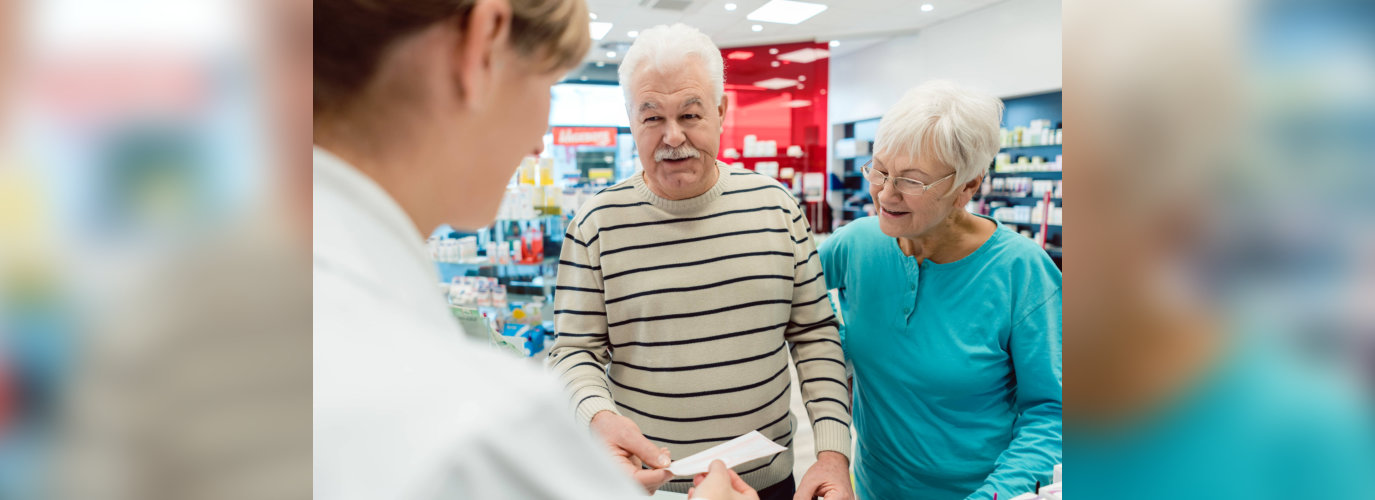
(584, 136)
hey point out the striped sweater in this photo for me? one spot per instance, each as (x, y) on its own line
(681, 315)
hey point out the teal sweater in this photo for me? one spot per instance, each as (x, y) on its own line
(956, 366)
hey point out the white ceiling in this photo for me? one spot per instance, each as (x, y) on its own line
(855, 23)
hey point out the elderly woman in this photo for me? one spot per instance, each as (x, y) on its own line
(952, 321)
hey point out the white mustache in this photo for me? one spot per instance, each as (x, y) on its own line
(678, 153)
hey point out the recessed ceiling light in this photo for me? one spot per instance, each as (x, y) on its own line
(632, 33)
(835, 43)
(756, 28)
(611, 54)
(775, 64)
(801, 78)
(804, 56)
(599, 29)
(730, 6)
(926, 7)
(592, 15)
(799, 103)
(600, 64)
(739, 55)
(785, 12)
(773, 51)
(775, 83)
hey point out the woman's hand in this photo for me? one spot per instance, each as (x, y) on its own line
(721, 483)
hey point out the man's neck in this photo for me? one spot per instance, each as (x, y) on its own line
(687, 192)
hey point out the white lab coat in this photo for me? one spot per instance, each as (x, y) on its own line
(405, 406)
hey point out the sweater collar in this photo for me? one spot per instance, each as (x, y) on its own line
(686, 205)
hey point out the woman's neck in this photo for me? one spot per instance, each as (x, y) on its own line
(380, 156)
(953, 239)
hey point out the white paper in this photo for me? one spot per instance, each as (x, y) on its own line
(734, 452)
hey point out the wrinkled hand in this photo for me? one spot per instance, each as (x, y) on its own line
(631, 450)
(721, 483)
(828, 478)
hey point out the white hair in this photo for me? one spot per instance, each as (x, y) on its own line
(959, 125)
(665, 48)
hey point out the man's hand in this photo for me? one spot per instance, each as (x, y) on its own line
(630, 450)
(828, 478)
(721, 483)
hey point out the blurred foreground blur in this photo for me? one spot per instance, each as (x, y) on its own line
(154, 229)
(1220, 309)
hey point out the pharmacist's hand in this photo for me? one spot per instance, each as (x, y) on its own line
(828, 478)
(721, 483)
(630, 450)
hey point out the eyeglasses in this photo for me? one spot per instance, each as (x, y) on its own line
(902, 184)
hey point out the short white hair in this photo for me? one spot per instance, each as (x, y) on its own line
(664, 48)
(959, 125)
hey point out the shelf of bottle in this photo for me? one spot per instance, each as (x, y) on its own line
(1021, 200)
(1035, 226)
(1034, 174)
(1005, 148)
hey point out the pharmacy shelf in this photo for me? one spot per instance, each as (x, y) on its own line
(506, 274)
(1034, 146)
(1021, 200)
(1033, 174)
(1052, 230)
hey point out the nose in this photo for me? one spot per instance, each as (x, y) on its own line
(888, 192)
(673, 135)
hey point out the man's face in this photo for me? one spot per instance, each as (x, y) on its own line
(677, 129)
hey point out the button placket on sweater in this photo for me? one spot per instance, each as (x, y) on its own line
(913, 276)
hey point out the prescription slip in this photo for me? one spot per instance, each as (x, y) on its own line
(734, 452)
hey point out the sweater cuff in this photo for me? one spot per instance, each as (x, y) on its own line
(592, 406)
(832, 436)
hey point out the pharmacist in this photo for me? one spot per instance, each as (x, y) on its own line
(404, 407)
(952, 320)
(702, 277)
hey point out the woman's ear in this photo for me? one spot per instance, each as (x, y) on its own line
(967, 191)
(482, 35)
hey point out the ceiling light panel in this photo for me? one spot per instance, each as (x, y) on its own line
(786, 12)
(599, 29)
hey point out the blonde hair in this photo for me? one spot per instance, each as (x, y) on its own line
(352, 35)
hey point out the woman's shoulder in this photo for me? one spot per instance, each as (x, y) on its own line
(1022, 254)
(858, 235)
(862, 230)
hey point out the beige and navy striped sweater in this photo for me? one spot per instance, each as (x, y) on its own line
(681, 316)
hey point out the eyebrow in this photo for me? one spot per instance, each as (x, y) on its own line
(647, 105)
(908, 171)
(691, 101)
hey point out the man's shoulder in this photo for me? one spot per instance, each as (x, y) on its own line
(619, 195)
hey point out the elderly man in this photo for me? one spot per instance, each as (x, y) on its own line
(683, 289)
